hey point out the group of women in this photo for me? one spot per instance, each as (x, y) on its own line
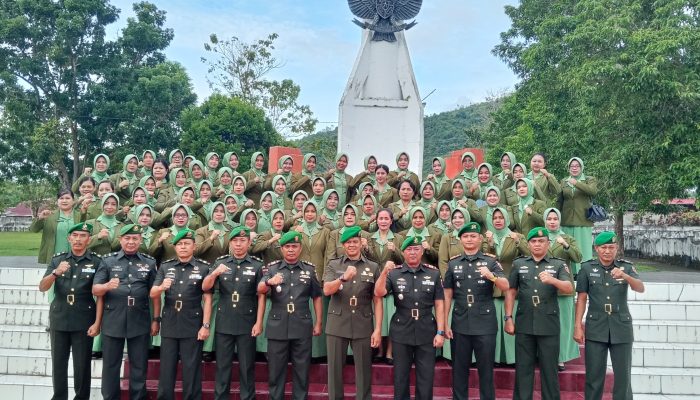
(212, 197)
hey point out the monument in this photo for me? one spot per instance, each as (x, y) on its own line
(381, 112)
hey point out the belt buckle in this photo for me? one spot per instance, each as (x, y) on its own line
(608, 308)
(535, 300)
(235, 297)
(353, 301)
(178, 305)
(290, 308)
(130, 301)
(470, 299)
(415, 314)
(70, 299)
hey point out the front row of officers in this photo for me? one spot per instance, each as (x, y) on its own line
(124, 282)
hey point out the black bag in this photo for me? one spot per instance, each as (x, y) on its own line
(596, 213)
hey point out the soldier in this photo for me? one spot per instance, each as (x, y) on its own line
(125, 279)
(415, 332)
(349, 280)
(74, 317)
(604, 282)
(239, 313)
(469, 279)
(535, 281)
(185, 319)
(291, 283)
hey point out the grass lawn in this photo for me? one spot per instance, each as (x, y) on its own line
(19, 243)
(646, 268)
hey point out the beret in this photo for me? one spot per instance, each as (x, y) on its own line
(605, 237)
(82, 227)
(183, 234)
(131, 229)
(411, 241)
(351, 232)
(239, 231)
(537, 232)
(469, 227)
(290, 237)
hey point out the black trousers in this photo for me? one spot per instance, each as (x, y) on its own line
(484, 349)
(226, 345)
(528, 350)
(279, 353)
(596, 367)
(406, 355)
(61, 344)
(112, 353)
(189, 351)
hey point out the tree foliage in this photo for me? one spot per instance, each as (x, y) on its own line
(240, 69)
(615, 83)
(222, 124)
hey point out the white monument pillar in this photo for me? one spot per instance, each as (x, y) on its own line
(381, 112)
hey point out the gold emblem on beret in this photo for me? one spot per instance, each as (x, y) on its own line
(296, 239)
(85, 227)
(188, 235)
(415, 240)
(613, 240)
(539, 233)
(242, 233)
(137, 228)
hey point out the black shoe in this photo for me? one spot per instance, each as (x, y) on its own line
(96, 355)
(561, 367)
(208, 356)
(390, 361)
(378, 359)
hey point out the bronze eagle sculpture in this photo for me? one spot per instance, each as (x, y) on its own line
(386, 16)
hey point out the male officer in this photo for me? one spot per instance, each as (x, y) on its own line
(185, 320)
(349, 280)
(239, 314)
(291, 283)
(470, 278)
(535, 281)
(414, 331)
(125, 279)
(74, 317)
(604, 282)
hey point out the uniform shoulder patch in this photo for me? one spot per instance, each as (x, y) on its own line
(167, 261)
(430, 266)
(308, 263)
(622, 260)
(92, 253)
(60, 254)
(273, 263)
(148, 256)
(256, 258)
(458, 255)
(202, 261)
(222, 257)
(490, 255)
(557, 258)
(519, 257)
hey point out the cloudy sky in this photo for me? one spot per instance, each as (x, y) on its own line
(450, 47)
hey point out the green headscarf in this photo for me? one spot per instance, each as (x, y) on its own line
(201, 166)
(581, 176)
(371, 176)
(304, 172)
(147, 231)
(245, 213)
(484, 186)
(440, 224)
(130, 176)
(286, 175)
(172, 178)
(280, 197)
(146, 171)
(172, 154)
(465, 214)
(100, 176)
(423, 202)
(553, 235)
(511, 156)
(227, 159)
(240, 198)
(357, 216)
(310, 228)
(489, 209)
(453, 202)
(294, 198)
(499, 235)
(397, 162)
(142, 183)
(265, 217)
(441, 178)
(512, 170)
(469, 175)
(217, 226)
(275, 212)
(258, 172)
(149, 200)
(318, 199)
(109, 221)
(174, 229)
(182, 191)
(424, 233)
(339, 182)
(210, 172)
(226, 170)
(209, 204)
(523, 202)
(364, 216)
(229, 216)
(360, 190)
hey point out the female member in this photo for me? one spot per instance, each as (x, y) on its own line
(295, 216)
(318, 189)
(168, 197)
(507, 246)
(576, 196)
(231, 160)
(304, 180)
(368, 216)
(204, 201)
(339, 180)
(493, 201)
(255, 177)
(507, 162)
(225, 178)
(427, 200)
(334, 248)
(159, 172)
(279, 186)
(441, 181)
(98, 172)
(211, 239)
(185, 197)
(565, 247)
(249, 219)
(468, 174)
(330, 216)
(125, 182)
(401, 208)
(442, 223)
(264, 213)
(143, 215)
(266, 244)
(176, 158)
(162, 248)
(105, 227)
(149, 158)
(284, 170)
(459, 198)
(402, 172)
(528, 213)
(484, 179)
(368, 175)
(54, 226)
(384, 192)
(197, 173)
(238, 194)
(431, 236)
(86, 190)
(546, 181)
(450, 245)
(212, 166)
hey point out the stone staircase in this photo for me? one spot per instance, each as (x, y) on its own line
(25, 357)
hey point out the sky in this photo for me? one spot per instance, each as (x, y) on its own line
(450, 46)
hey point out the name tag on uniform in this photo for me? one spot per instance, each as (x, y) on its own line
(89, 270)
(523, 271)
(195, 276)
(595, 275)
(431, 283)
(143, 268)
(117, 268)
(249, 273)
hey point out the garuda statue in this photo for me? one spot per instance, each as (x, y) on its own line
(386, 16)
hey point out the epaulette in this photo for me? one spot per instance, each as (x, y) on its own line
(557, 258)
(256, 258)
(490, 255)
(148, 256)
(167, 261)
(519, 257)
(222, 257)
(202, 261)
(458, 255)
(624, 261)
(306, 262)
(60, 254)
(430, 266)
(92, 253)
(273, 262)
(111, 254)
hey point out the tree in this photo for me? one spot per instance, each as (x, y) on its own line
(222, 124)
(239, 69)
(612, 82)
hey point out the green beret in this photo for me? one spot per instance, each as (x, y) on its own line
(183, 234)
(349, 233)
(537, 232)
(469, 227)
(240, 231)
(130, 229)
(290, 237)
(82, 227)
(605, 237)
(411, 241)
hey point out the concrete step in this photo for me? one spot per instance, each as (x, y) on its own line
(666, 381)
(668, 292)
(28, 387)
(668, 310)
(22, 337)
(21, 276)
(666, 331)
(36, 363)
(651, 354)
(28, 315)
(22, 295)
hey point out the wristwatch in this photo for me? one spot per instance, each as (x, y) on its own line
(493, 278)
(343, 279)
(441, 333)
(206, 325)
(55, 274)
(157, 319)
(507, 317)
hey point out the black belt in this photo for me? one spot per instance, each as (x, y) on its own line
(180, 304)
(287, 307)
(479, 298)
(415, 313)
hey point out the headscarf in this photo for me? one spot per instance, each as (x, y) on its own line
(109, 221)
(484, 186)
(499, 235)
(245, 214)
(469, 175)
(145, 171)
(286, 175)
(280, 197)
(240, 198)
(181, 193)
(147, 231)
(440, 224)
(523, 202)
(364, 216)
(142, 184)
(511, 156)
(229, 216)
(465, 214)
(423, 202)
(304, 172)
(454, 200)
(553, 235)
(310, 228)
(581, 176)
(265, 217)
(172, 178)
(294, 198)
(371, 176)
(357, 216)
(130, 176)
(149, 200)
(318, 199)
(258, 172)
(525, 173)
(424, 233)
(227, 159)
(217, 226)
(441, 178)
(397, 162)
(489, 209)
(273, 213)
(209, 172)
(208, 206)
(201, 166)
(339, 182)
(228, 189)
(360, 191)
(100, 176)
(334, 215)
(172, 153)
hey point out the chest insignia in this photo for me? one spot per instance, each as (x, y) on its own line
(595, 275)
(195, 276)
(595, 269)
(248, 272)
(429, 283)
(143, 268)
(88, 270)
(117, 268)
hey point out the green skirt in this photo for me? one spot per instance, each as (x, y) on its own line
(584, 239)
(261, 340)
(389, 311)
(155, 340)
(505, 343)
(568, 349)
(209, 343)
(318, 343)
(447, 345)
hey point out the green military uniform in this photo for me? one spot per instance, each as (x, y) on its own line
(289, 325)
(608, 327)
(474, 324)
(71, 313)
(350, 322)
(127, 318)
(413, 326)
(537, 328)
(181, 320)
(378, 252)
(236, 314)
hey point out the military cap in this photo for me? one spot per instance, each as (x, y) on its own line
(183, 234)
(351, 232)
(131, 229)
(290, 237)
(537, 232)
(469, 227)
(411, 241)
(82, 227)
(239, 231)
(605, 237)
